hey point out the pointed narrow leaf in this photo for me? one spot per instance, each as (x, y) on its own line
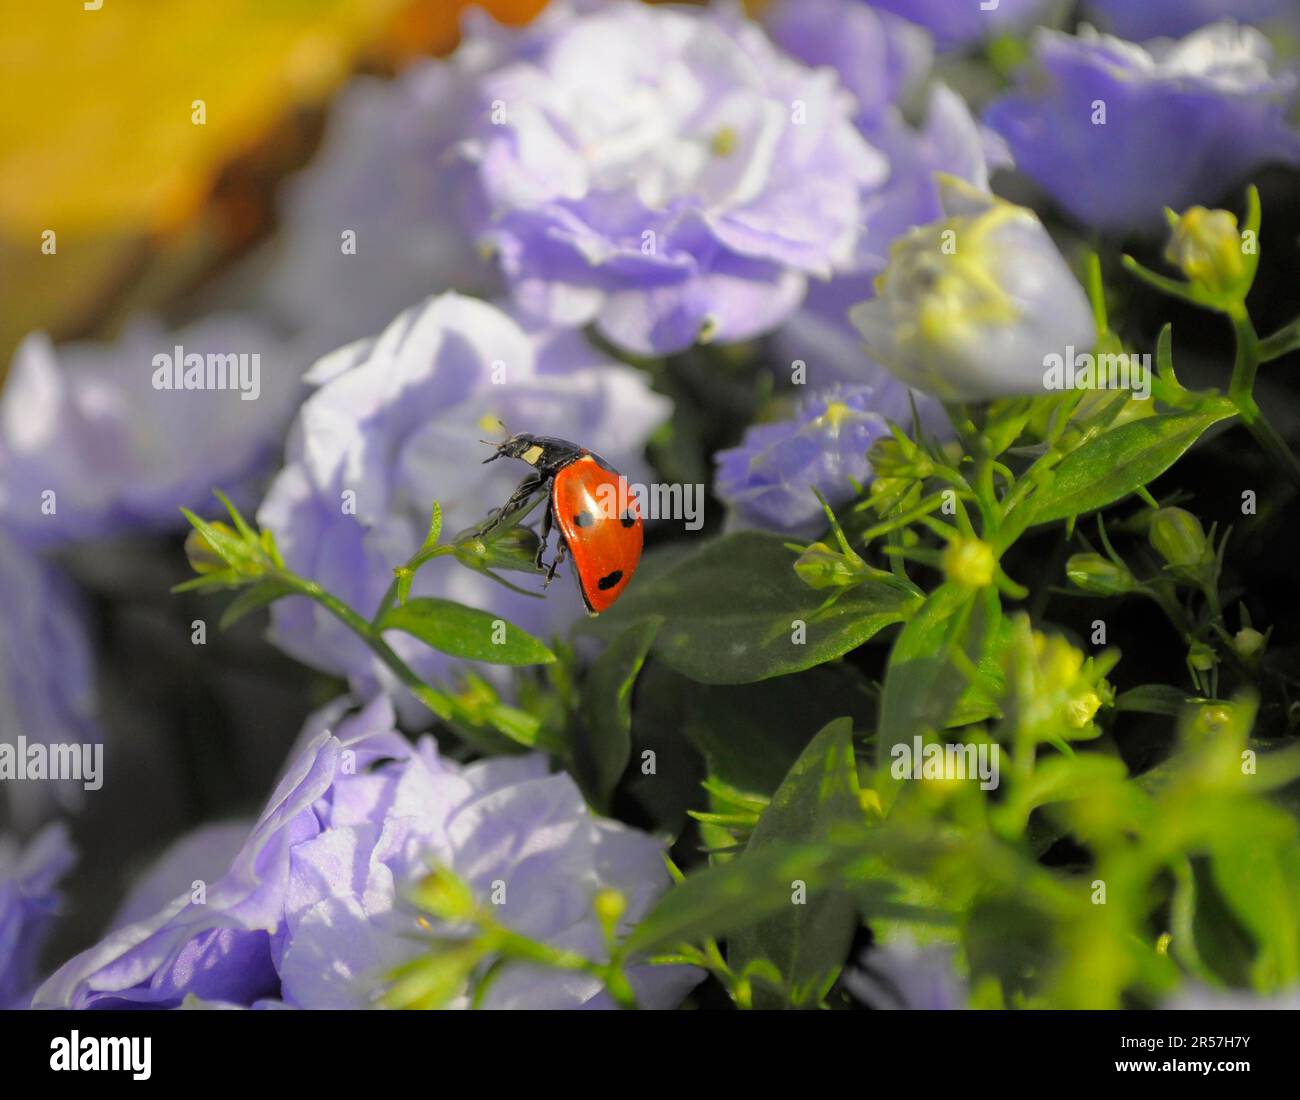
(1119, 462)
(466, 632)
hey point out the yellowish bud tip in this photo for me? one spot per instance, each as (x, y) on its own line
(1207, 247)
(1248, 642)
(610, 905)
(200, 553)
(969, 562)
(836, 413)
(724, 142)
(1082, 710)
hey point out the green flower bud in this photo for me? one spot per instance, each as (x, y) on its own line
(1201, 657)
(203, 558)
(1098, 575)
(1248, 643)
(1213, 718)
(888, 493)
(895, 457)
(1080, 710)
(969, 562)
(230, 552)
(445, 895)
(1206, 246)
(821, 567)
(1178, 537)
(431, 980)
(610, 905)
(511, 548)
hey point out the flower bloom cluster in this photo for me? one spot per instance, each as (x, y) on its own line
(665, 174)
(311, 910)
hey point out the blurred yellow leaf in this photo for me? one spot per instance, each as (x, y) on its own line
(101, 104)
(120, 116)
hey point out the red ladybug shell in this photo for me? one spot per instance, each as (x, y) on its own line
(601, 524)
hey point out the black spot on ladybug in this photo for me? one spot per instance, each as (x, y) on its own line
(628, 519)
(584, 519)
(609, 580)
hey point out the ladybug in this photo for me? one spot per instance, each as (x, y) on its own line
(588, 500)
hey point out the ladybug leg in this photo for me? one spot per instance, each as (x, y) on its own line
(525, 489)
(555, 563)
(543, 534)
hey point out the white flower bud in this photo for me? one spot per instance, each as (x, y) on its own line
(970, 307)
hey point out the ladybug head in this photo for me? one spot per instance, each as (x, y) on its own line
(525, 447)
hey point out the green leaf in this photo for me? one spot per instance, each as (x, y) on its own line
(806, 942)
(241, 524)
(751, 734)
(922, 688)
(435, 526)
(731, 896)
(603, 737)
(737, 612)
(1255, 862)
(1119, 462)
(251, 599)
(466, 632)
(1153, 699)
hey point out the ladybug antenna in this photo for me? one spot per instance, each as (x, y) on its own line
(498, 446)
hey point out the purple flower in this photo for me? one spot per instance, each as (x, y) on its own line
(202, 855)
(664, 173)
(959, 23)
(394, 426)
(768, 481)
(1115, 132)
(1173, 18)
(311, 911)
(98, 439)
(46, 677)
(29, 903)
(879, 57)
(365, 230)
(904, 976)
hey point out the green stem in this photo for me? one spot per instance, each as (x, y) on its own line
(435, 700)
(1282, 342)
(410, 567)
(518, 947)
(1247, 361)
(1241, 393)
